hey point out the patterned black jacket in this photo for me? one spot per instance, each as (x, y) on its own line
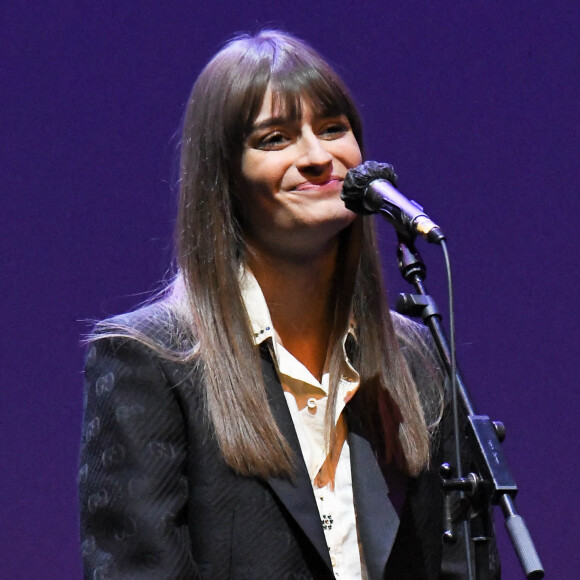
(158, 501)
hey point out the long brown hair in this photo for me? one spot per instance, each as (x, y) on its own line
(223, 105)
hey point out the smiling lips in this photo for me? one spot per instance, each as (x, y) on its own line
(329, 186)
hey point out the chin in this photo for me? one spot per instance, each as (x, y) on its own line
(340, 217)
(329, 226)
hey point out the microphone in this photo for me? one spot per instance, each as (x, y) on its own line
(369, 188)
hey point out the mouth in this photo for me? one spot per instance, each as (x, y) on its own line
(330, 185)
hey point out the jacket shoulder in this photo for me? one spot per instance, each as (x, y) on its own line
(156, 325)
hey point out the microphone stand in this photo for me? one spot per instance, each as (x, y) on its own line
(490, 482)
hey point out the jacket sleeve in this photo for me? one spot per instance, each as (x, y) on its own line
(132, 482)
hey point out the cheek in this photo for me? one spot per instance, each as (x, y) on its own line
(350, 153)
(357, 160)
(261, 175)
(256, 192)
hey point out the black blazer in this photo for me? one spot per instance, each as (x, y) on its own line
(158, 501)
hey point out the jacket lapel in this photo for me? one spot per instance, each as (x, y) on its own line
(377, 518)
(376, 502)
(296, 494)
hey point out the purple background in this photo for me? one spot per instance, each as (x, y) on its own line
(473, 102)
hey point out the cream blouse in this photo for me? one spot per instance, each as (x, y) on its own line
(329, 470)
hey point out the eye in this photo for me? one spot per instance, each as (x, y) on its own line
(334, 129)
(272, 141)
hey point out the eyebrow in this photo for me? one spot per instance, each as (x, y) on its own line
(282, 120)
(270, 122)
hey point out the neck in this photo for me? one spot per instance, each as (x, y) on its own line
(298, 291)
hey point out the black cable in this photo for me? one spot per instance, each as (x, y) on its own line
(454, 398)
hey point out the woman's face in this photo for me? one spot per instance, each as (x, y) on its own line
(293, 172)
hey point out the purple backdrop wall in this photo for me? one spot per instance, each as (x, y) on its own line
(475, 105)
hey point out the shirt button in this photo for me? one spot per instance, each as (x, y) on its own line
(333, 560)
(311, 403)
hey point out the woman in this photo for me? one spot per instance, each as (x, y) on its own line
(268, 417)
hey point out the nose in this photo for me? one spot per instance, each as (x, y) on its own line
(314, 157)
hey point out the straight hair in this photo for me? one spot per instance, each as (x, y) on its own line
(205, 298)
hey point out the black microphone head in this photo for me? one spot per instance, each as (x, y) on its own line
(358, 179)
